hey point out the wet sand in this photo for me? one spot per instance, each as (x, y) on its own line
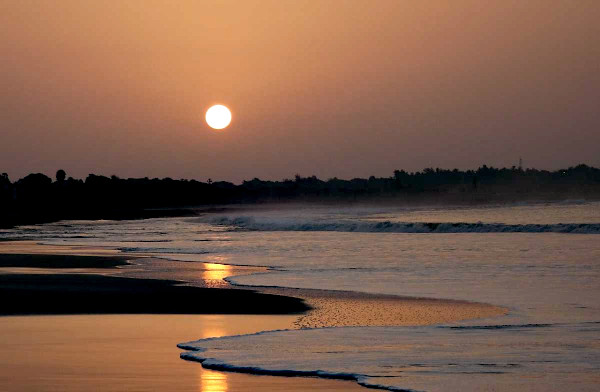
(131, 353)
(121, 352)
(35, 248)
(97, 294)
(138, 352)
(352, 309)
(79, 293)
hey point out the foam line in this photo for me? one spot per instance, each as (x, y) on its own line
(251, 224)
(213, 364)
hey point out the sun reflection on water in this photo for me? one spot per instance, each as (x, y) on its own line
(212, 381)
(213, 271)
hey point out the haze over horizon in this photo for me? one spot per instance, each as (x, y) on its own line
(351, 90)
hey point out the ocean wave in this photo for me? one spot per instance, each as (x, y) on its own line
(253, 224)
(163, 250)
(499, 326)
(137, 240)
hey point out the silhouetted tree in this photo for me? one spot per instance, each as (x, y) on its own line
(36, 199)
(61, 175)
(4, 180)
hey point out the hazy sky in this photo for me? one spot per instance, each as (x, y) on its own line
(331, 87)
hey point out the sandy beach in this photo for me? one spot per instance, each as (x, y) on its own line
(118, 352)
(107, 351)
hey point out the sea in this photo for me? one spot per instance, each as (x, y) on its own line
(539, 260)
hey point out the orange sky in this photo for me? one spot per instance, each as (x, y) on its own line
(332, 88)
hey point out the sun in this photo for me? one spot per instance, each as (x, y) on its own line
(218, 116)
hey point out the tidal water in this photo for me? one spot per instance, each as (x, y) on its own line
(541, 261)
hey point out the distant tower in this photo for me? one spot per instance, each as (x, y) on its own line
(520, 163)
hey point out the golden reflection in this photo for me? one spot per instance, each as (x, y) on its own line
(212, 381)
(214, 327)
(211, 333)
(213, 271)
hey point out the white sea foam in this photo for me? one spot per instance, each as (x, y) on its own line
(417, 358)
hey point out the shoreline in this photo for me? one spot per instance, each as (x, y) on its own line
(51, 289)
(47, 294)
(330, 308)
(305, 308)
(72, 353)
(123, 293)
(131, 351)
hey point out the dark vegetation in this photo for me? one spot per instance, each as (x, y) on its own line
(97, 294)
(36, 198)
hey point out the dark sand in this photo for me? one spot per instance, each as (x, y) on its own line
(96, 294)
(57, 293)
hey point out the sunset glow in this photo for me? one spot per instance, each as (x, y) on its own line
(408, 198)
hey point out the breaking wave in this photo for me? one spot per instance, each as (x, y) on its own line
(500, 326)
(253, 224)
(163, 250)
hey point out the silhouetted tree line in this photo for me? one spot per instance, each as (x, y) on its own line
(37, 198)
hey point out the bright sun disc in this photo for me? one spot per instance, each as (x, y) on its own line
(218, 116)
